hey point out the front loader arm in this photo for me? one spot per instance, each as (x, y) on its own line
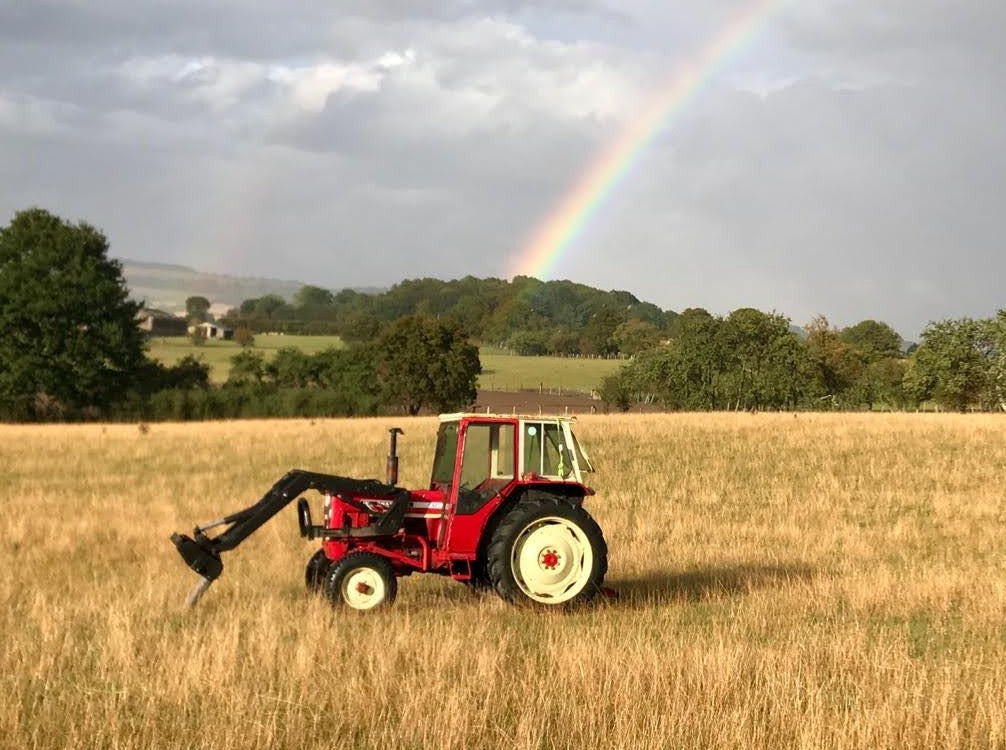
(202, 553)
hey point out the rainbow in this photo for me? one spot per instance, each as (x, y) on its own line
(571, 214)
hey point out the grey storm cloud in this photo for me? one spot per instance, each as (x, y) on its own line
(850, 161)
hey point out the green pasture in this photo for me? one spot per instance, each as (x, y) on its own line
(508, 372)
(500, 371)
(217, 354)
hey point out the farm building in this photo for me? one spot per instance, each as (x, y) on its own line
(214, 331)
(159, 323)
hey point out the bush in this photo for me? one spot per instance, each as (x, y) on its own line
(244, 336)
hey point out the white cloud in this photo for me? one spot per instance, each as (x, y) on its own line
(310, 86)
(853, 141)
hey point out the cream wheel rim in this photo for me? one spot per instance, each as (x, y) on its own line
(363, 588)
(552, 560)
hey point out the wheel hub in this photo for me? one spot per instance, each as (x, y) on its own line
(363, 588)
(549, 559)
(552, 560)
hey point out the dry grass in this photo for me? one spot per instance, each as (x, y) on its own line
(811, 581)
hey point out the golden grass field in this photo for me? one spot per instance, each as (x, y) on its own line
(811, 581)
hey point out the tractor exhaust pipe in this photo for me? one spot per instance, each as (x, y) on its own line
(391, 470)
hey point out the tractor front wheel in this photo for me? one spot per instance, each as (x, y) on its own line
(316, 571)
(547, 553)
(362, 581)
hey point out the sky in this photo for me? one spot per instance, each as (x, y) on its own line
(848, 160)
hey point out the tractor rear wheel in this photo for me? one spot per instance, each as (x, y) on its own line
(547, 552)
(316, 571)
(362, 581)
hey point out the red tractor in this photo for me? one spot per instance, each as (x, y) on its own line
(504, 509)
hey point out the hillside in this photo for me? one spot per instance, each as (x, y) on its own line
(166, 286)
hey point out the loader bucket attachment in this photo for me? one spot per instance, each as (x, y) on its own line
(202, 553)
(203, 561)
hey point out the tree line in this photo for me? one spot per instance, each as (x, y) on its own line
(753, 360)
(524, 316)
(71, 349)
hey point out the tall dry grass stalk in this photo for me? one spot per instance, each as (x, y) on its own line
(812, 581)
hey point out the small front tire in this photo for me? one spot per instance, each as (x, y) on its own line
(361, 581)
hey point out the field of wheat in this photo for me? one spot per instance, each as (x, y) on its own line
(801, 581)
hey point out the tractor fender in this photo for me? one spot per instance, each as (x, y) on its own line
(572, 493)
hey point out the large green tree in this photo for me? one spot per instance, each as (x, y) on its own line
(874, 340)
(426, 363)
(952, 365)
(69, 339)
(767, 366)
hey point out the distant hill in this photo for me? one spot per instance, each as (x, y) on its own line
(166, 287)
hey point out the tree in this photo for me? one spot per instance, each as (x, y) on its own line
(291, 368)
(997, 370)
(426, 363)
(599, 333)
(953, 364)
(198, 335)
(616, 391)
(881, 383)
(634, 335)
(247, 368)
(197, 309)
(188, 373)
(873, 340)
(836, 364)
(528, 343)
(693, 368)
(358, 326)
(563, 342)
(244, 337)
(767, 365)
(313, 296)
(68, 331)
(269, 308)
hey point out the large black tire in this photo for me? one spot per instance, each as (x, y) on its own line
(316, 571)
(361, 581)
(547, 552)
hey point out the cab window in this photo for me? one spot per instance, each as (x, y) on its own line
(545, 450)
(443, 456)
(487, 464)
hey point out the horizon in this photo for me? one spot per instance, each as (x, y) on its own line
(907, 339)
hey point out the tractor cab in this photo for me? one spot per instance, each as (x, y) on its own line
(486, 453)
